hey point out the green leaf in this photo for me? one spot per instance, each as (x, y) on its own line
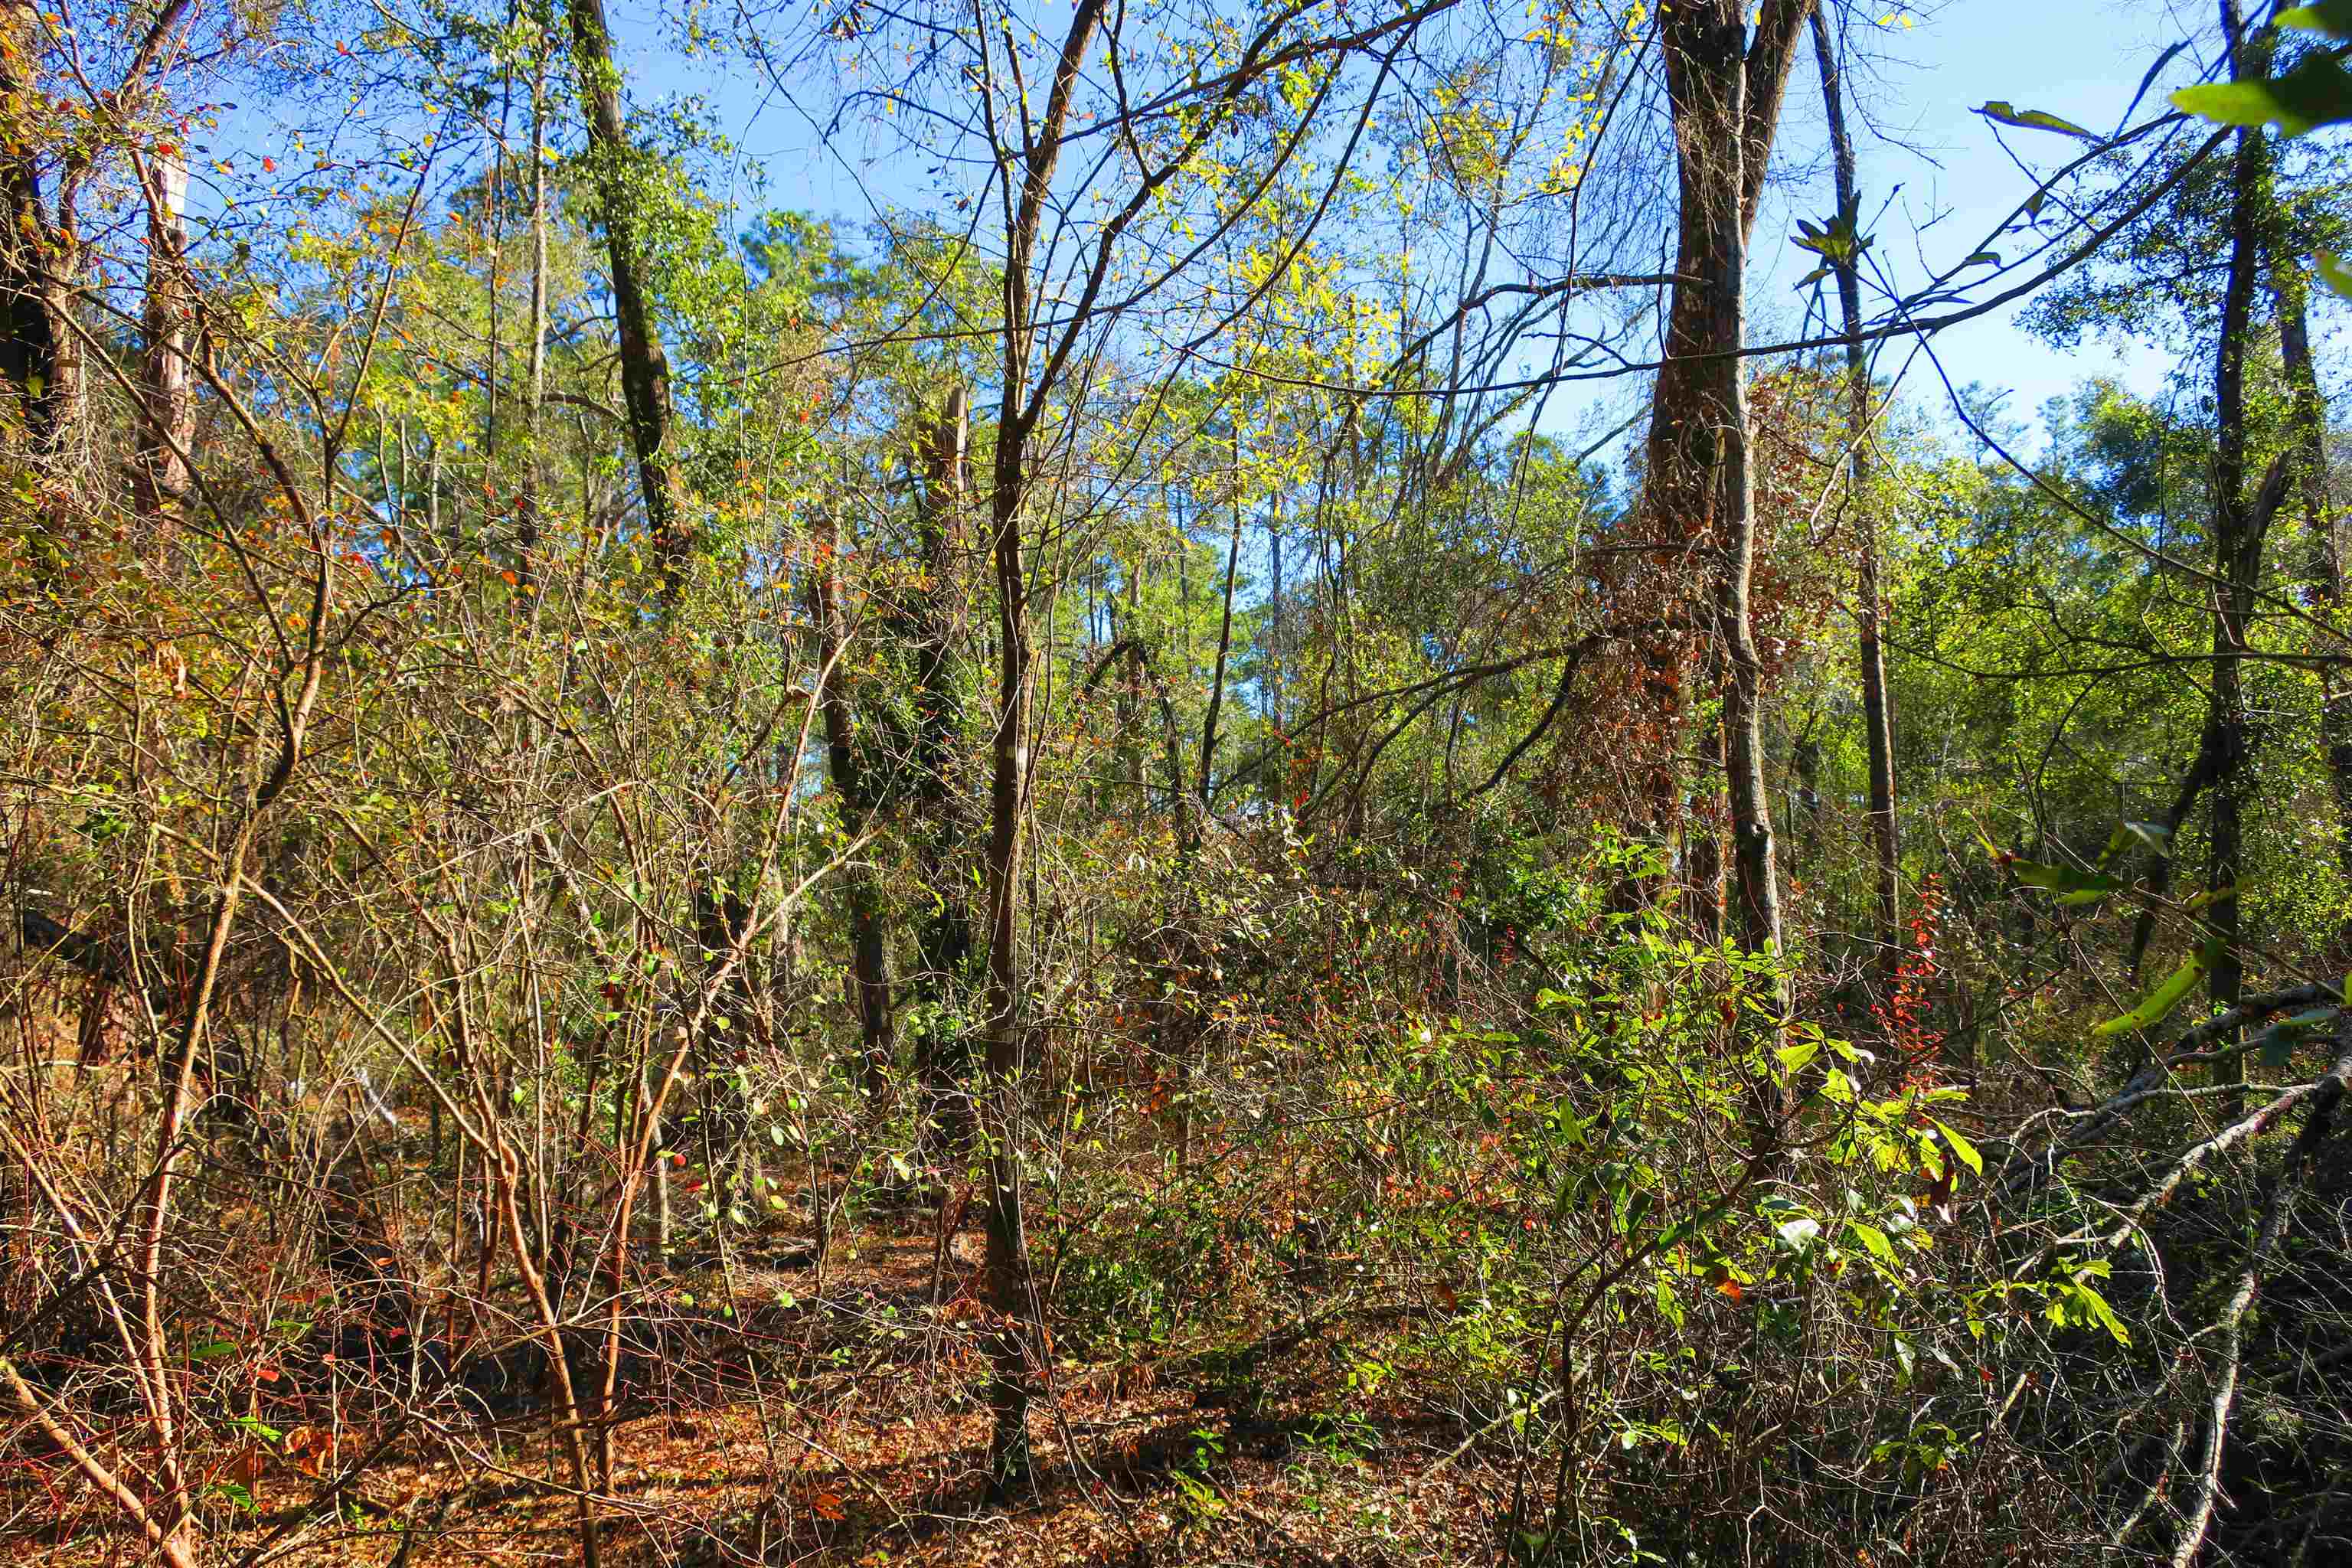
(2209, 896)
(238, 1497)
(2316, 92)
(1635, 1212)
(2032, 120)
(1962, 1150)
(2095, 1306)
(2158, 1004)
(2335, 275)
(1793, 1058)
(211, 1350)
(1875, 1240)
(2154, 835)
(2333, 17)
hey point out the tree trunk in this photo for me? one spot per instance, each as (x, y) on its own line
(943, 940)
(2240, 524)
(1702, 836)
(528, 533)
(869, 959)
(167, 424)
(1725, 97)
(37, 352)
(2237, 538)
(2307, 415)
(1190, 836)
(1008, 1244)
(1877, 717)
(1274, 654)
(645, 367)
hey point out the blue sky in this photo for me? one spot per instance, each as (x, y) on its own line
(2081, 60)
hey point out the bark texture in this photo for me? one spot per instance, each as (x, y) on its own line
(644, 366)
(1877, 715)
(1725, 93)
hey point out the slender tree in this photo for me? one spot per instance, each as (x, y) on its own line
(167, 423)
(1008, 502)
(1877, 720)
(644, 366)
(1217, 669)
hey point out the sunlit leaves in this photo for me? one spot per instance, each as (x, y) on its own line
(2316, 91)
(2157, 1006)
(2006, 113)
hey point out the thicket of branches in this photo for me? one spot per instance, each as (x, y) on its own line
(1259, 754)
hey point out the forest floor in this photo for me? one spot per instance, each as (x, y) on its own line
(872, 1452)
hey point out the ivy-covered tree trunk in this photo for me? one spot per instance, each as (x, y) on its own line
(869, 955)
(2241, 523)
(2323, 534)
(943, 939)
(645, 367)
(2238, 528)
(1725, 94)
